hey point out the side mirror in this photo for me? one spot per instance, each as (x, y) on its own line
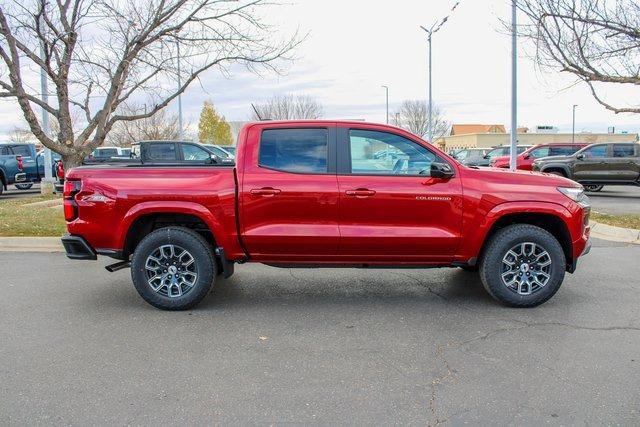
(441, 170)
(580, 157)
(213, 159)
(526, 156)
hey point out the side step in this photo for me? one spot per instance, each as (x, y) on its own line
(118, 266)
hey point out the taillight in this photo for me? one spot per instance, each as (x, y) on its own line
(20, 163)
(71, 188)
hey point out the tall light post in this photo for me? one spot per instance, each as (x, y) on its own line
(387, 92)
(180, 129)
(573, 126)
(430, 32)
(513, 154)
(46, 187)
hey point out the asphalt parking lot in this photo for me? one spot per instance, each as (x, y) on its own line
(616, 200)
(13, 193)
(79, 347)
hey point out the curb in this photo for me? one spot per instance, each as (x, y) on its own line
(31, 244)
(616, 234)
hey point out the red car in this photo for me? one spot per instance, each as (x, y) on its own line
(314, 193)
(525, 159)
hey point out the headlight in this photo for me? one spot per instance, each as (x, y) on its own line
(575, 194)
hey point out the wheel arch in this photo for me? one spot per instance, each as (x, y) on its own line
(144, 218)
(548, 216)
(556, 167)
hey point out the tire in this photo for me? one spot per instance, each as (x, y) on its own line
(495, 267)
(593, 188)
(24, 186)
(193, 272)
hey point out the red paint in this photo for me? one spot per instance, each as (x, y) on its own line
(322, 218)
(524, 160)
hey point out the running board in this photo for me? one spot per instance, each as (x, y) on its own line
(118, 266)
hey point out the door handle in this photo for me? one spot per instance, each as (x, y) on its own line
(360, 192)
(267, 191)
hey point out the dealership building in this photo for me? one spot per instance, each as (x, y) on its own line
(486, 136)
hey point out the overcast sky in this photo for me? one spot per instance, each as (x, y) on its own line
(355, 46)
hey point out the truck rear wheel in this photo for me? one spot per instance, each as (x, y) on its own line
(173, 268)
(522, 266)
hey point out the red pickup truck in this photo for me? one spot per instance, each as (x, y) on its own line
(326, 193)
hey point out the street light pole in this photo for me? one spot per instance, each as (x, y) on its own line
(573, 127)
(46, 186)
(180, 129)
(514, 88)
(430, 122)
(387, 91)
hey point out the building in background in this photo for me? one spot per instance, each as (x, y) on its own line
(486, 136)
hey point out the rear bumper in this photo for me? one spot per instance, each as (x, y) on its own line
(78, 248)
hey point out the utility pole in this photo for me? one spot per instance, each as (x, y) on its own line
(514, 88)
(573, 127)
(387, 91)
(46, 185)
(180, 129)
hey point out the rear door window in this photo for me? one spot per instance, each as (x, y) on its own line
(562, 151)
(623, 150)
(540, 152)
(294, 150)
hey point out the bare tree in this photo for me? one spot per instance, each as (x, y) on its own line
(160, 126)
(597, 41)
(20, 135)
(413, 116)
(289, 107)
(98, 54)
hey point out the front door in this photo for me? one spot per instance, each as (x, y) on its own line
(390, 207)
(591, 164)
(289, 194)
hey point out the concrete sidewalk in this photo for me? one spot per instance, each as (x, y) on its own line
(31, 244)
(53, 244)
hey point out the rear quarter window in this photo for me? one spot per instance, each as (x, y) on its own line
(294, 150)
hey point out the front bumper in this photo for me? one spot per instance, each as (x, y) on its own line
(78, 248)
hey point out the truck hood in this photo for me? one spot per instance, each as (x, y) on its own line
(520, 178)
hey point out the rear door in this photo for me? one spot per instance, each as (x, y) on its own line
(391, 210)
(624, 165)
(289, 193)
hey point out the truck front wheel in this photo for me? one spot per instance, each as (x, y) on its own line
(522, 266)
(173, 268)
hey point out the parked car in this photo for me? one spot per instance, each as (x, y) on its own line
(311, 193)
(493, 153)
(597, 165)
(231, 149)
(469, 153)
(524, 160)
